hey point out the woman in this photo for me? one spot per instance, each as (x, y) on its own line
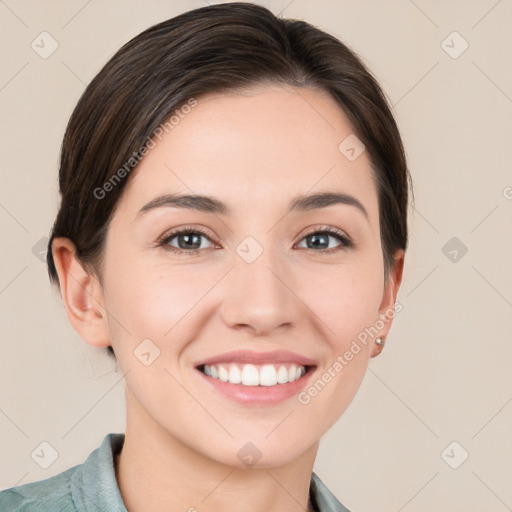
(232, 230)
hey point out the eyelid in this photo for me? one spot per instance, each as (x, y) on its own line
(325, 228)
(171, 233)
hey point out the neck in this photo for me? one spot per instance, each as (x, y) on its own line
(157, 472)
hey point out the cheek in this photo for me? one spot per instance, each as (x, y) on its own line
(345, 298)
(345, 302)
(153, 302)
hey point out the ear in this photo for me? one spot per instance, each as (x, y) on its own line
(387, 306)
(82, 295)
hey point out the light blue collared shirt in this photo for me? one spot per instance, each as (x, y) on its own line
(92, 487)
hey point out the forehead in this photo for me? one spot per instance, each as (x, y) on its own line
(259, 146)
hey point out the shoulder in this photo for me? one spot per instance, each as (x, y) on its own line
(53, 493)
(90, 484)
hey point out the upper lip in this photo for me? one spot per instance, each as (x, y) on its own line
(249, 356)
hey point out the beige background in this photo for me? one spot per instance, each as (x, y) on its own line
(444, 375)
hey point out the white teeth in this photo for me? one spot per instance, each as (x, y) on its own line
(235, 375)
(252, 375)
(223, 374)
(282, 375)
(268, 375)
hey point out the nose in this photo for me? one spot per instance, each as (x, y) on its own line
(260, 296)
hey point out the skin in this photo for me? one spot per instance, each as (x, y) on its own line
(255, 150)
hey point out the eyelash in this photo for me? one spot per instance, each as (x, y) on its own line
(345, 242)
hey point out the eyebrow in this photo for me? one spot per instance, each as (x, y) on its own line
(210, 204)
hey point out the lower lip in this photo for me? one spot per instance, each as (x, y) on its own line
(258, 395)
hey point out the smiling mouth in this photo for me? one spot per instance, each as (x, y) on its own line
(264, 375)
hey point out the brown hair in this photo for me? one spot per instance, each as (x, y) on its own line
(212, 49)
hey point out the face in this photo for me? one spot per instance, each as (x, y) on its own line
(252, 281)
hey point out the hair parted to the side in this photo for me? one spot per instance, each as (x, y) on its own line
(209, 50)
